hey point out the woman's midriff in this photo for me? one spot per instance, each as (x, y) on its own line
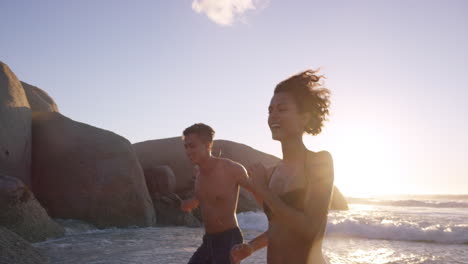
(285, 247)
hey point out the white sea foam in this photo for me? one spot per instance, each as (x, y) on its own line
(385, 225)
(253, 221)
(411, 203)
(399, 230)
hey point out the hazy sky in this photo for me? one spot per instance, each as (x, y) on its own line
(146, 69)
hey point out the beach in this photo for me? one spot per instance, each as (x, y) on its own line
(373, 231)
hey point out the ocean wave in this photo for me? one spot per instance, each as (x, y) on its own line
(253, 221)
(410, 203)
(75, 226)
(399, 230)
(376, 228)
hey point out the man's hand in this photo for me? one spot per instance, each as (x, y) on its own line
(240, 252)
(189, 205)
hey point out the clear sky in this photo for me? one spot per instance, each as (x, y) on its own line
(146, 69)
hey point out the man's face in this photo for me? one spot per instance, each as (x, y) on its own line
(195, 148)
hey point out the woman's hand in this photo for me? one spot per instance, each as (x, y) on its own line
(240, 252)
(258, 176)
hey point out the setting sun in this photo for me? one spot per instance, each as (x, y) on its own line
(366, 163)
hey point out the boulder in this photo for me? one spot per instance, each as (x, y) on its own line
(38, 99)
(170, 152)
(161, 183)
(338, 201)
(168, 210)
(21, 212)
(15, 127)
(86, 173)
(159, 179)
(14, 249)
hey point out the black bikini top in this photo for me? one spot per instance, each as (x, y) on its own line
(294, 198)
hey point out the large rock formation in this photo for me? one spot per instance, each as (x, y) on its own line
(170, 152)
(83, 172)
(168, 210)
(38, 99)
(14, 249)
(15, 127)
(159, 179)
(21, 212)
(161, 183)
(338, 201)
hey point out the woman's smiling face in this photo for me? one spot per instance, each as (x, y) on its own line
(284, 118)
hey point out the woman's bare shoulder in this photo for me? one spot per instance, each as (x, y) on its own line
(321, 157)
(321, 165)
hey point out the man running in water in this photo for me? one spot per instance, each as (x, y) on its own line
(217, 182)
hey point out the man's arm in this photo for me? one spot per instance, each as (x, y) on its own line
(188, 205)
(242, 178)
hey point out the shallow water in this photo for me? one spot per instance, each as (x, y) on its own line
(137, 245)
(367, 233)
(177, 244)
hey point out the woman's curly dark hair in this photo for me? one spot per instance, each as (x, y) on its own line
(310, 96)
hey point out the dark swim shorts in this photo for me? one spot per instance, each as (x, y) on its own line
(216, 248)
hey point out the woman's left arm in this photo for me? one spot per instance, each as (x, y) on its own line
(317, 199)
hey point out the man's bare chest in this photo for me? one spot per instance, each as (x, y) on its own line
(214, 187)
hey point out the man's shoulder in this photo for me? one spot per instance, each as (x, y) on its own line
(231, 164)
(228, 162)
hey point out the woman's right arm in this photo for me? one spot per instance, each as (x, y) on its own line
(242, 251)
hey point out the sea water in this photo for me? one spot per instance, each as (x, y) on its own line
(410, 231)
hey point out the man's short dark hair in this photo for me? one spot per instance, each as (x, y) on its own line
(205, 132)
